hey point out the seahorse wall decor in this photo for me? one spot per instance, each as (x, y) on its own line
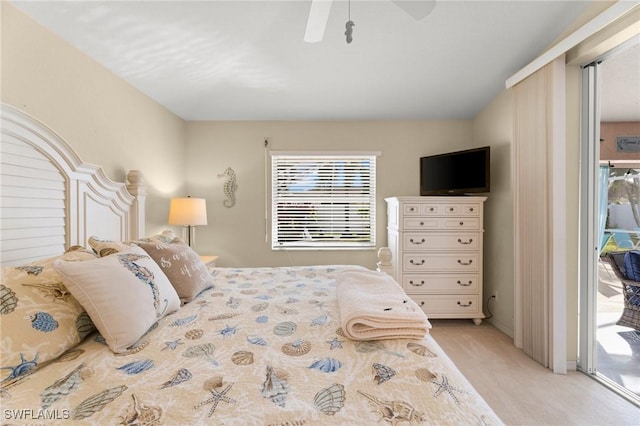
(230, 187)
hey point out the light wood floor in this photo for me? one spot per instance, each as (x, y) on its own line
(522, 392)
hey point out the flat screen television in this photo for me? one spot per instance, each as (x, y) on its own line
(455, 173)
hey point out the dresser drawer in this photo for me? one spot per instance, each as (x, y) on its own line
(440, 223)
(458, 262)
(421, 209)
(440, 283)
(449, 306)
(471, 209)
(437, 241)
(461, 223)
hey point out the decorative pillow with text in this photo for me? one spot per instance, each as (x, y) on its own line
(186, 272)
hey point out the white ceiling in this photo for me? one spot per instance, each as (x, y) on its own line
(242, 60)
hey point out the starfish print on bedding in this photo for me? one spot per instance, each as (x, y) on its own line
(173, 344)
(444, 386)
(335, 343)
(216, 398)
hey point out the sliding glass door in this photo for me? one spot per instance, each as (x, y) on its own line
(610, 222)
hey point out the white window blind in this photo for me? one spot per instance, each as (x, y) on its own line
(323, 200)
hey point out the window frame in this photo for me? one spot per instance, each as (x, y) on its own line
(277, 197)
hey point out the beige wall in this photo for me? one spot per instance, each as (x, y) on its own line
(237, 234)
(494, 127)
(105, 119)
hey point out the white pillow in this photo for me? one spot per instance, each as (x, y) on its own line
(124, 294)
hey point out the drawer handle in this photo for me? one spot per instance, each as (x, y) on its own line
(417, 264)
(450, 209)
(420, 284)
(411, 209)
(465, 263)
(418, 242)
(461, 223)
(421, 223)
(465, 284)
(462, 242)
(471, 209)
(431, 209)
(463, 305)
(422, 303)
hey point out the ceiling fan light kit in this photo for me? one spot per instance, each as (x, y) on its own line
(319, 16)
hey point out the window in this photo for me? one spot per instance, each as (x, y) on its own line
(323, 200)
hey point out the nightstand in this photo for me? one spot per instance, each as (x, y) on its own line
(209, 261)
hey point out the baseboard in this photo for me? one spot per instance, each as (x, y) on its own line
(501, 326)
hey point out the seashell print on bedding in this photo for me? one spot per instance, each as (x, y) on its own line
(8, 300)
(43, 321)
(421, 350)
(330, 400)
(25, 367)
(275, 387)
(204, 350)
(228, 331)
(286, 328)
(425, 375)
(135, 348)
(64, 386)
(260, 307)
(298, 347)
(51, 291)
(183, 321)
(136, 367)
(224, 316)
(84, 325)
(327, 365)
(321, 320)
(97, 402)
(194, 334)
(180, 377)
(141, 415)
(382, 373)
(242, 358)
(367, 346)
(257, 340)
(395, 411)
(31, 269)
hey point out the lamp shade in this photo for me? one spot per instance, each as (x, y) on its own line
(188, 211)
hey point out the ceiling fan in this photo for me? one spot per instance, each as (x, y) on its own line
(319, 15)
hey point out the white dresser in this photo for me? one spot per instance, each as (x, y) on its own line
(436, 252)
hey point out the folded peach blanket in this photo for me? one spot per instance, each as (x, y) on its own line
(373, 306)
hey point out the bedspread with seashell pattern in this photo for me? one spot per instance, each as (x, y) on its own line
(263, 347)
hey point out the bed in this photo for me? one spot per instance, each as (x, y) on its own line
(242, 346)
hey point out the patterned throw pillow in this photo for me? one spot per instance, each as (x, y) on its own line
(39, 318)
(186, 272)
(124, 294)
(106, 247)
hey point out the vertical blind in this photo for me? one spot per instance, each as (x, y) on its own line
(323, 200)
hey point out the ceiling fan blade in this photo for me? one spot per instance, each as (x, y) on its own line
(418, 9)
(317, 21)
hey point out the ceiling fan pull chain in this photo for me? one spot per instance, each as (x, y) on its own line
(349, 26)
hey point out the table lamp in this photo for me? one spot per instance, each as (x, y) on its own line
(188, 212)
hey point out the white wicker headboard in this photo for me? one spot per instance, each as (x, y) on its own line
(50, 200)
